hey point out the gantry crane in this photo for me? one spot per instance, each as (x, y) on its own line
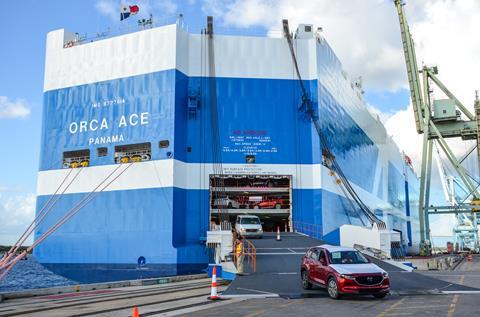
(438, 120)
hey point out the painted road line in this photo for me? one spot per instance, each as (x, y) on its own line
(445, 286)
(254, 290)
(420, 307)
(453, 305)
(460, 292)
(246, 296)
(393, 306)
(286, 273)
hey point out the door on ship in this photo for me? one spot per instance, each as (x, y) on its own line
(267, 196)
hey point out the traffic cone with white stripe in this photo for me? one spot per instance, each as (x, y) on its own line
(278, 234)
(213, 291)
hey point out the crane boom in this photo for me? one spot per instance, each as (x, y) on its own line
(412, 68)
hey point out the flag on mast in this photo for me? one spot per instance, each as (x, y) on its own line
(126, 11)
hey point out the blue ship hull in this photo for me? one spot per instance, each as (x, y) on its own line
(160, 209)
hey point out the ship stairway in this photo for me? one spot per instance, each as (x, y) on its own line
(307, 107)
(10, 258)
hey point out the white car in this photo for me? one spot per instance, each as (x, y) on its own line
(227, 202)
(249, 226)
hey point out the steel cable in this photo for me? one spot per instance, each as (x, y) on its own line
(83, 202)
(39, 218)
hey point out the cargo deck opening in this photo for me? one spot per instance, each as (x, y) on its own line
(266, 196)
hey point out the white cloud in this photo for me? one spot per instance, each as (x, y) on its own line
(16, 213)
(366, 35)
(401, 126)
(448, 37)
(13, 109)
(363, 33)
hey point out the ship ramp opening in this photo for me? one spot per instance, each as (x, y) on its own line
(267, 196)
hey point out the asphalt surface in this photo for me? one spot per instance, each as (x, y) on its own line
(395, 305)
(278, 272)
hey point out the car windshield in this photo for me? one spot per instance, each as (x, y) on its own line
(250, 221)
(346, 257)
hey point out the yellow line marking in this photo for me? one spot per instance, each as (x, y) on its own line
(421, 307)
(388, 309)
(454, 302)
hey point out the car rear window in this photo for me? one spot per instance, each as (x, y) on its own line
(346, 257)
(250, 221)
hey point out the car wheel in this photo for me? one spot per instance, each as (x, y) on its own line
(229, 205)
(255, 207)
(332, 288)
(278, 206)
(380, 295)
(305, 283)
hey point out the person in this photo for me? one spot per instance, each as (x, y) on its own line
(239, 255)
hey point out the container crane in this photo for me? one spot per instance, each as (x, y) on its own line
(438, 120)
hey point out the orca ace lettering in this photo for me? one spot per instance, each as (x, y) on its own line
(94, 126)
(132, 120)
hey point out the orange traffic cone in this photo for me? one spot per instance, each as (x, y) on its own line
(278, 234)
(135, 312)
(213, 292)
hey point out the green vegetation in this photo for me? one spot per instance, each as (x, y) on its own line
(5, 248)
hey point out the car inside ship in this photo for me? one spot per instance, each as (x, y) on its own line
(267, 196)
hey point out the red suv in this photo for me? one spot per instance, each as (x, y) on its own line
(343, 271)
(270, 203)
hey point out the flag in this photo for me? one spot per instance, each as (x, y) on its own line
(127, 11)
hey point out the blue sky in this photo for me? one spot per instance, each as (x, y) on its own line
(374, 52)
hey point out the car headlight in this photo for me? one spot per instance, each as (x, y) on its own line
(260, 229)
(385, 275)
(242, 229)
(346, 276)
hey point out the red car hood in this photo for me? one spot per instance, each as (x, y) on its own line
(365, 268)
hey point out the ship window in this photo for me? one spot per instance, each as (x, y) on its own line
(308, 28)
(133, 153)
(163, 144)
(250, 159)
(74, 159)
(102, 151)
